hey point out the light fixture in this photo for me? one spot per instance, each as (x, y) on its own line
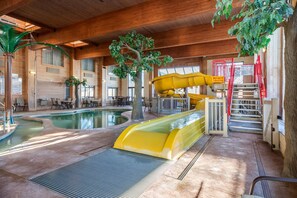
(32, 72)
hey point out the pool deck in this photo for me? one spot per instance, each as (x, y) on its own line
(225, 168)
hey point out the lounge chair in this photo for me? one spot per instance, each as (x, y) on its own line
(20, 103)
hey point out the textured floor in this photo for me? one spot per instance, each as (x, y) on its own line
(226, 168)
(108, 174)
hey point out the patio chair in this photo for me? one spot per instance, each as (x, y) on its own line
(54, 103)
(59, 103)
(20, 103)
(147, 104)
(86, 102)
(114, 101)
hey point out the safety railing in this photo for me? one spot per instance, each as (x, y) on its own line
(230, 88)
(172, 105)
(260, 79)
(270, 178)
(3, 121)
(216, 117)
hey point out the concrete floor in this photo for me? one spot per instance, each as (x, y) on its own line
(226, 168)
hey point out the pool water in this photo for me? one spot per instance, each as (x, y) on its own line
(24, 131)
(87, 119)
(27, 129)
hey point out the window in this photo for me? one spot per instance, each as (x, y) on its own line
(179, 70)
(88, 91)
(52, 57)
(112, 92)
(16, 87)
(182, 70)
(110, 69)
(88, 65)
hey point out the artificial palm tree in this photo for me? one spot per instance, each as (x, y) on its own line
(10, 42)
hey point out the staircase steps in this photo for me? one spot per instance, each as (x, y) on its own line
(246, 112)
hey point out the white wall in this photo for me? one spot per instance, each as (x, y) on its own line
(273, 65)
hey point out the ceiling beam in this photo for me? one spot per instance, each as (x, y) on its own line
(173, 38)
(7, 6)
(144, 14)
(197, 50)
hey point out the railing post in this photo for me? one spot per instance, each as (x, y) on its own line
(225, 128)
(4, 121)
(171, 104)
(274, 122)
(158, 105)
(206, 116)
(188, 100)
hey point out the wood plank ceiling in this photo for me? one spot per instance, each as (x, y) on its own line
(175, 24)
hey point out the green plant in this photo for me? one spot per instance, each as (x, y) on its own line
(74, 81)
(134, 54)
(258, 20)
(10, 42)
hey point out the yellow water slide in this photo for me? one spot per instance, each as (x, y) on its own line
(166, 137)
(166, 85)
(169, 136)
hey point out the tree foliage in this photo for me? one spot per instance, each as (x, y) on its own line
(133, 53)
(260, 18)
(11, 41)
(74, 81)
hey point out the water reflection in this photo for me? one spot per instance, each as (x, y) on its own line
(88, 120)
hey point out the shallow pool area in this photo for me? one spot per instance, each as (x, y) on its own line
(25, 130)
(87, 119)
(83, 119)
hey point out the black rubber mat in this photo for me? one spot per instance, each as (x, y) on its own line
(108, 174)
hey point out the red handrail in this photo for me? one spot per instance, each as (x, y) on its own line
(260, 79)
(230, 87)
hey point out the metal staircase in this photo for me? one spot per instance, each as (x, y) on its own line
(246, 108)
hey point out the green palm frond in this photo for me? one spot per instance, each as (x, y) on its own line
(11, 42)
(42, 43)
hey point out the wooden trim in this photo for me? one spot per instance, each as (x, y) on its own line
(7, 6)
(141, 15)
(198, 50)
(173, 38)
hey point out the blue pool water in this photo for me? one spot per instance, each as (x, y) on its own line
(78, 120)
(24, 131)
(87, 119)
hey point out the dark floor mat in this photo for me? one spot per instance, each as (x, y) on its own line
(108, 174)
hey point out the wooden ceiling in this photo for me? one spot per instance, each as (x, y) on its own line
(60, 13)
(174, 24)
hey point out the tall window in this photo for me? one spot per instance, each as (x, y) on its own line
(52, 57)
(112, 92)
(179, 70)
(88, 91)
(88, 65)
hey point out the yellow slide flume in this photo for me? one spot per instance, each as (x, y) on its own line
(166, 137)
(166, 85)
(169, 136)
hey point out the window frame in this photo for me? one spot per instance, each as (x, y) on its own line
(53, 58)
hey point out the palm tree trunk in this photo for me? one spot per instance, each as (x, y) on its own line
(8, 94)
(290, 161)
(137, 113)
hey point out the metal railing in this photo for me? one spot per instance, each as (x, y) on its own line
(259, 78)
(216, 117)
(270, 178)
(230, 87)
(172, 105)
